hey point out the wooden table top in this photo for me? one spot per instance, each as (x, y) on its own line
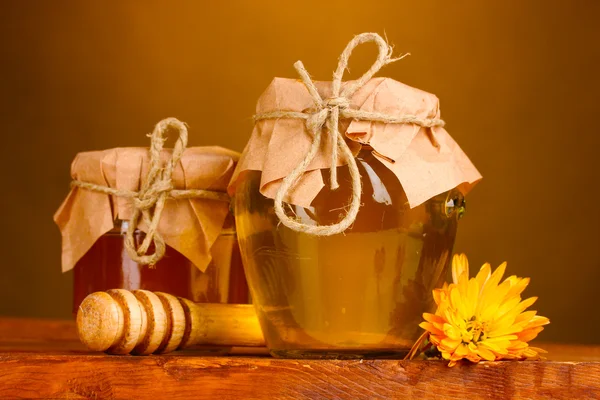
(44, 359)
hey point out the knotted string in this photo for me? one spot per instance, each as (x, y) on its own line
(327, 116)
(149, 202)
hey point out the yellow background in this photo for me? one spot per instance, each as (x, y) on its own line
(518, 83)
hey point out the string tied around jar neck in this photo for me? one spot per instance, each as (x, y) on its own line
(149, 201)
(326, 117)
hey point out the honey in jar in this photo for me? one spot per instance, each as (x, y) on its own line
(341, 254)
(107, 266)
(357, 294)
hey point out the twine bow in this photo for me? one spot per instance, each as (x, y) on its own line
(327, 115)
(149, 202)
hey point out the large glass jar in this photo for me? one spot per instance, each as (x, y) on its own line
(357, 294)
(108, 266)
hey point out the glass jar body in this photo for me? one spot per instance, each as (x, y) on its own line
(108, 266)
(358, 294)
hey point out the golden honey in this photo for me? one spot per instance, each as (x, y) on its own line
(357, 294)
(108, 266)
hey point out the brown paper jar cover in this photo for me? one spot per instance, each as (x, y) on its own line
(190, 226)
(201, 261)
(276, 146)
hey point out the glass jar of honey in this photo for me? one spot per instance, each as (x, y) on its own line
(347, 198)
(108, 266)
(156, 219)
(357, 294)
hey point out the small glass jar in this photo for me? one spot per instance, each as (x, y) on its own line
(358, 294)
(108, 266)
(201, 261)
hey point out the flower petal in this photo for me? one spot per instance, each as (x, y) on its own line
(537, 320)
(486, 354)
(491, 299)
(457, 302)
(496, 275)
(434, 319)
(472, 297)
(538, 350)
(460, 265)
(428, 326)
(525, 316)
(462, 350)
(498, 349)
(452, 332)
(450, 344)
(518, 287)
(529, 334)
(483, 275)
(511, 316)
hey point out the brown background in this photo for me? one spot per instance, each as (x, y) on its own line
(518, 83)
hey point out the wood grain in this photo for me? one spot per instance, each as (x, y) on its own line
(122, 377)
(70, 372)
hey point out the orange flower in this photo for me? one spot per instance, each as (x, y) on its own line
(480, 318)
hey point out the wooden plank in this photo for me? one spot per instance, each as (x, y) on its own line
(122, 377)
(42, 359)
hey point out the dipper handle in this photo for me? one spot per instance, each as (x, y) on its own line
(141, 322)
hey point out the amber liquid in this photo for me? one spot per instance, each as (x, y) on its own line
(107, 266)
(351, 295)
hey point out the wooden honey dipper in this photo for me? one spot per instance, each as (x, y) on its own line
(141, 322)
